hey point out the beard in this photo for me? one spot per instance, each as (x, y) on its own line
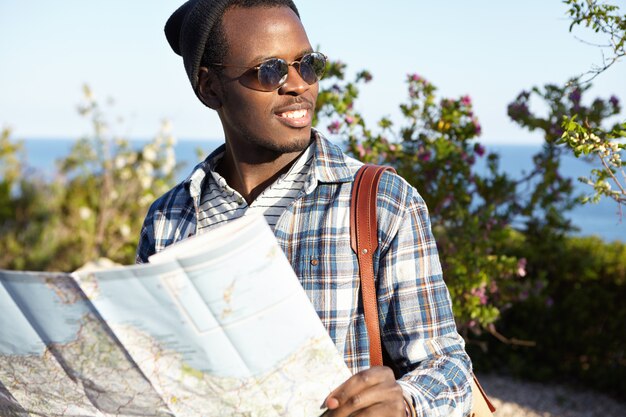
(295, 144)
(264, 149)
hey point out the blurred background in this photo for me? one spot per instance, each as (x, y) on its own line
(493, 110)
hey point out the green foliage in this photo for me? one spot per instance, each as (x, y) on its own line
(605, 19)
(577, 321)
(585, 140)
(93, 208)
(10, 155)
(24, 208)
(589, 138)
(563, 137)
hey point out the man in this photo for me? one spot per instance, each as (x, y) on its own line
(251, 61)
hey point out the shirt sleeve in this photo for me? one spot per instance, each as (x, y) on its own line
(145, 248)
(417, 323)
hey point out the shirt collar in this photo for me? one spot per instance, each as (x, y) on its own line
(329, 166)
(193, 183)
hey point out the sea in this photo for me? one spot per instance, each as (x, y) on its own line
(602, 219)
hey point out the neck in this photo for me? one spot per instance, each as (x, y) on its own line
(251, 174)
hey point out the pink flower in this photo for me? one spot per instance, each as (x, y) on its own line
(575, 96)
(477, 126)
(425, 156)
(466, 101)
(521, 267)
(518, 111)
(360, 150)
(481, 294)
(349, 120)
(479, 149)
(415, 77)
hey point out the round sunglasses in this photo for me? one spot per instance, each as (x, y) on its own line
(272, 73)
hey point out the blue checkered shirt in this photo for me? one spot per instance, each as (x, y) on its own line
(417, 325)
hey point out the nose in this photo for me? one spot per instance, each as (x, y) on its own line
(294, 85)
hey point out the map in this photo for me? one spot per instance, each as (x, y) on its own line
(217, 325)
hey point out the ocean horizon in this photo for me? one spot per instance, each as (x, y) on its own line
(602, 219)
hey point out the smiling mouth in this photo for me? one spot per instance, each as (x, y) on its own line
(295, 118)
(294, 114)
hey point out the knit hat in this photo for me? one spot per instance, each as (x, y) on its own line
(188, 28)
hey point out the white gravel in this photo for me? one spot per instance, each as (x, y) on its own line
(515, 398)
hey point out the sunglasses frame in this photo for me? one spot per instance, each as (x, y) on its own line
(283, 80)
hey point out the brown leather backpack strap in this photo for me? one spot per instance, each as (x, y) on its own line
(364, 242)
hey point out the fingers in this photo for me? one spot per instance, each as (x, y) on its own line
(360, 381)
(371, 392)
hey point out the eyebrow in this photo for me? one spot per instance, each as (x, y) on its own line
(261, 58)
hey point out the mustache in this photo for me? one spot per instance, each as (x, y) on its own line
(295, 103)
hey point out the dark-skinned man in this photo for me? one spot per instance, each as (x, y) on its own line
(252, 62)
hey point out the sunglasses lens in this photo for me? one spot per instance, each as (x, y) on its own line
(272, 73)
(312, 67)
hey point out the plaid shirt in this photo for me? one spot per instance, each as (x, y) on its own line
(415, 312)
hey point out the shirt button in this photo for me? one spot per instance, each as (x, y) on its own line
(240, 201)
(314, 262)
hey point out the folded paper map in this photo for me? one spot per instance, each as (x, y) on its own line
(217, 325)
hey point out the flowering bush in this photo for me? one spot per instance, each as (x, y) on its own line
(436, 151)
(578, 327)
(92, 208)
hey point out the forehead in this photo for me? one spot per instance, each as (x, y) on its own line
(262, 32)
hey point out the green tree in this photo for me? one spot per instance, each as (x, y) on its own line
(93, 208)
(580, 133)
(26, 206)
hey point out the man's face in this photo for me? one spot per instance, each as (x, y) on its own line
(259, 121)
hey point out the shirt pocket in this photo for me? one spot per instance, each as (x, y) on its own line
(328, 272)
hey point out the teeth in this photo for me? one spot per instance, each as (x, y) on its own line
(295, 114)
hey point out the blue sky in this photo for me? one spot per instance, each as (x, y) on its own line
(490, 50)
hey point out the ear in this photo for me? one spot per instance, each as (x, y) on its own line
(209, 88)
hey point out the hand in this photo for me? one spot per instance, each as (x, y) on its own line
(373, 392)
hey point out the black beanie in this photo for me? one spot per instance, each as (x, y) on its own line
(188, 28)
